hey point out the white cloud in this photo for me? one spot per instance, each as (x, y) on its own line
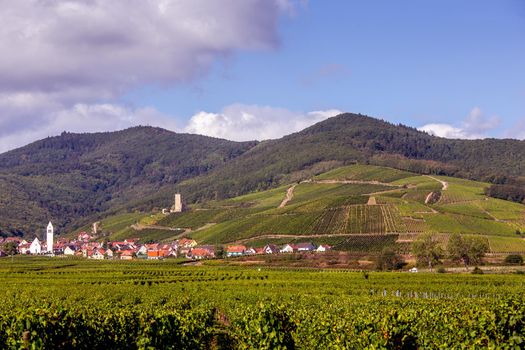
(83, 118)
(236, 122)
(475, 126)
(102, 48)
(251, 122)
(64, 63)
(445, 130)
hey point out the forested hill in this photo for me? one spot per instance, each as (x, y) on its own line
(73, 176)
(351, 138)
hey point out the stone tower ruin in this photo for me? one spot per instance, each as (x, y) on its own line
(177, 205)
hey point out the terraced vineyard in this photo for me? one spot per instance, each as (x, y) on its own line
(338, 203)
(70, 303)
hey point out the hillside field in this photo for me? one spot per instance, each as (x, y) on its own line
(348, 204)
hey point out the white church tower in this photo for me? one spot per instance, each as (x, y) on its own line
(50, 232)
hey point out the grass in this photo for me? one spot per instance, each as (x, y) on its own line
(503, 210)
(507, 244)
(264, 199)
(307, 191)
(464, 208)
(364, 173)
(452, 223)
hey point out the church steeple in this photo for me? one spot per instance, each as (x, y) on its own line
(50, 233)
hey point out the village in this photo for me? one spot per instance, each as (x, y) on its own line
(85, 245)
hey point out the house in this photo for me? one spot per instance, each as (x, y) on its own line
(70, 250)
(202, 252)
(24, 248)
(154, 254)
(305, 247)
(259, 251)
(167, 250)
(110, 254)
(126, 255)
(98, 254)
(143, 251)
(152, 246)
(323, 248)
(35, 247)
(250, 251)
(288, 248)
(271, 249)
(235, 250)
(187, 243)
(58, 248)
(84, 237)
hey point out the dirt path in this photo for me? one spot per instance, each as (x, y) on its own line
(383, 192)
(486, 212)
(444, 183)
(354, 182)
(208, 225)
(140, 227)
(288, 197)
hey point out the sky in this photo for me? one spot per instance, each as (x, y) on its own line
(260, 69)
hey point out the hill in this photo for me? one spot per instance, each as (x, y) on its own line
(350, 138)
(72, 177)
(358, 208)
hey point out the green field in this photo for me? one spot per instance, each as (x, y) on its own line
(364, 173)
(327, 206)
(80, 304)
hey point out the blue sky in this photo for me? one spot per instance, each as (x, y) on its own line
(261, 68)
(410, 62)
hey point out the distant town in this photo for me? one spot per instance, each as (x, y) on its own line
(86, 245)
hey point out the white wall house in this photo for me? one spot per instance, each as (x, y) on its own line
(287, 248)
(69, 251)
(35, 247)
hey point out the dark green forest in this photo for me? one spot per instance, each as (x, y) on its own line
(77, 176)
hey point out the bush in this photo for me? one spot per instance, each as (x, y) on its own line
(389, 260)
(514, 259)
(477, 271)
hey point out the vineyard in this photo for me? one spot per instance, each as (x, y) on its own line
(69, 303)
(351, 200)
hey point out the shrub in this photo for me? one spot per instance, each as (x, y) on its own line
(514, 259)
(477, 271)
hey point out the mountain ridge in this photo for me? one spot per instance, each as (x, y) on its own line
(74, 178)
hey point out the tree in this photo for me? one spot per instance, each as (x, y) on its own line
(469, 250)
(389, 260)
(514, 259)
(427, 250)
(10, 248)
